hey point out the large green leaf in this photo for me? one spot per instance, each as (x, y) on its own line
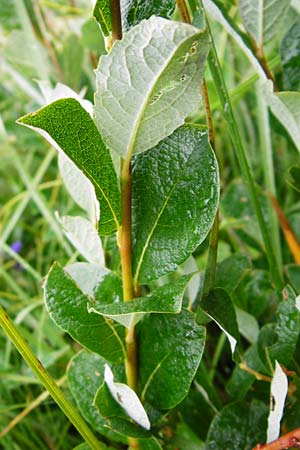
(170, 350)
(286, 108)
(290, 58)
(71, 129)
(85, 376)
(262, 18)
(152, 77)
(67, 306)
(164, 299)
(238, 426)
(175, 198)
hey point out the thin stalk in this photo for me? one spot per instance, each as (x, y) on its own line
(49, 384)
(126, 262)
(116, 21)
(125, 240)
(268, 169)
(183, 11)
(216, 357)
(242, 159)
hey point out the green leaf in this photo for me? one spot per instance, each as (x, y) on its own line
(101, 13)
(262, 18)
(237, 208)
(72, 60)
(164, 299)
(293, 272)
(152, 77)
(238, 426)
(290, 58)
(259, 294)
(133, 11)
(248, 325)
(67, 306)
(116, 416)
(286, 108)
(71, 129)
(175, 198)
(241, 381)
(185, 438)
(170, 351)
(278, 341)
(219, 307)
(196, 409)
(85, 376)
(231, 271)
(149, 444)
(294, 179)
(287, 328)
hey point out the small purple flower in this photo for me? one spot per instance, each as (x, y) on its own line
(16, 246)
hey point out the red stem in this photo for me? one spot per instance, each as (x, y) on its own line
(289, 440)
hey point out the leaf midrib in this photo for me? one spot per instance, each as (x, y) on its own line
(155, 224)
(142, 110)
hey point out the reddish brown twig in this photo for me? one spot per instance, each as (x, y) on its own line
(289, 440)
(287, 230)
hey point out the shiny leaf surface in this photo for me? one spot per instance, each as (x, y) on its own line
(72, 130)
(175, 197)
(170, 351)
(164, 299)
(67, 306)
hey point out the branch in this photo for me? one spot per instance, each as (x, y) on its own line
(116, 21)
(289, 440)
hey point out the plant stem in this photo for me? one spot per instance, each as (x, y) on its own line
(183, 11)
(128, 290)
(242, 159)
(289, 440)
(125, 241)
(259, 53)
(49, 384)
(116, 21)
